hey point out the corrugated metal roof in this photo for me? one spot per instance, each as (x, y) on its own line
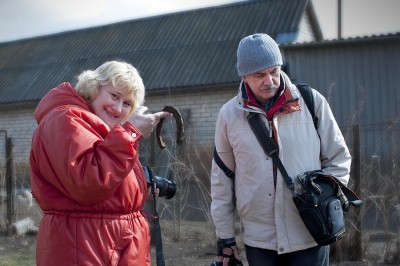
(180, 50)
(345, 41)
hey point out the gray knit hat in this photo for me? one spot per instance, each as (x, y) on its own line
(257, 52)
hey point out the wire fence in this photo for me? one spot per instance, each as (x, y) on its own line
(189, 166)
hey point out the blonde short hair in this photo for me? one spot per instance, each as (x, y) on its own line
(121, 75)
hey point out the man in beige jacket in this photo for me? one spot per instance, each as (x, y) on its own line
(272, 230)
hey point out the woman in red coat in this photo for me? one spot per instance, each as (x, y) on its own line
(85, 172)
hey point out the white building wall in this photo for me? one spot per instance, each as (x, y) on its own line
(306, 33)
(204, 106)
(19, 125)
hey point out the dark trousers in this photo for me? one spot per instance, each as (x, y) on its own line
(315, 256)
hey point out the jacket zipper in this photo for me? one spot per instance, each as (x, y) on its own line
(270, 128)
(275, 170)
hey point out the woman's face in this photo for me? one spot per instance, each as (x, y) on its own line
(111, 105)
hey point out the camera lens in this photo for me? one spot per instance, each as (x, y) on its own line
(167, 188)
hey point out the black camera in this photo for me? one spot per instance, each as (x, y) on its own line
(167, 188)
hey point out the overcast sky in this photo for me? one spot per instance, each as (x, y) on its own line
(21, 19)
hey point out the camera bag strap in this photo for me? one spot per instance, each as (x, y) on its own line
(222, 165)
(270, 148)
(268, 144)
(306, 93)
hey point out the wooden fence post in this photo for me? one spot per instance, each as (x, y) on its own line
(10, 182)
(357, 189)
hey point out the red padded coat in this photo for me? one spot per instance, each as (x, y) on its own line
(89, 183)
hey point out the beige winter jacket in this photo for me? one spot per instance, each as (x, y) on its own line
(269, 218)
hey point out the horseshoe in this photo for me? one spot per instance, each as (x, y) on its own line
(179, 126)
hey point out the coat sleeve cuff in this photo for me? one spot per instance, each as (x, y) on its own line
(228, 242)
(132, 130)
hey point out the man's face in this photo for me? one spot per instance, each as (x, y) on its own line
(264, 83)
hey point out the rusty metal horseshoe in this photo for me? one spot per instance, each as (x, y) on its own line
(179, 126)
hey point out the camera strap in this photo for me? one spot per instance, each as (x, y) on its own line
(157, 232)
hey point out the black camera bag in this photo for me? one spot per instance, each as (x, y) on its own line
(320, 208)
(323, 199)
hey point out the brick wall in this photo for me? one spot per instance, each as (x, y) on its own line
(202, 106)
(19, 125)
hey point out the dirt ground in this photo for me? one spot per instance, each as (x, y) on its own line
(187, 244)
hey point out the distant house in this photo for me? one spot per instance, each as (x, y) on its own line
(187, 59)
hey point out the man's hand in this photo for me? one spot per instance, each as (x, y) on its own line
(227, 253)
(145, 123)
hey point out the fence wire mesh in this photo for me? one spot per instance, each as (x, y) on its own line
(189, 166)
